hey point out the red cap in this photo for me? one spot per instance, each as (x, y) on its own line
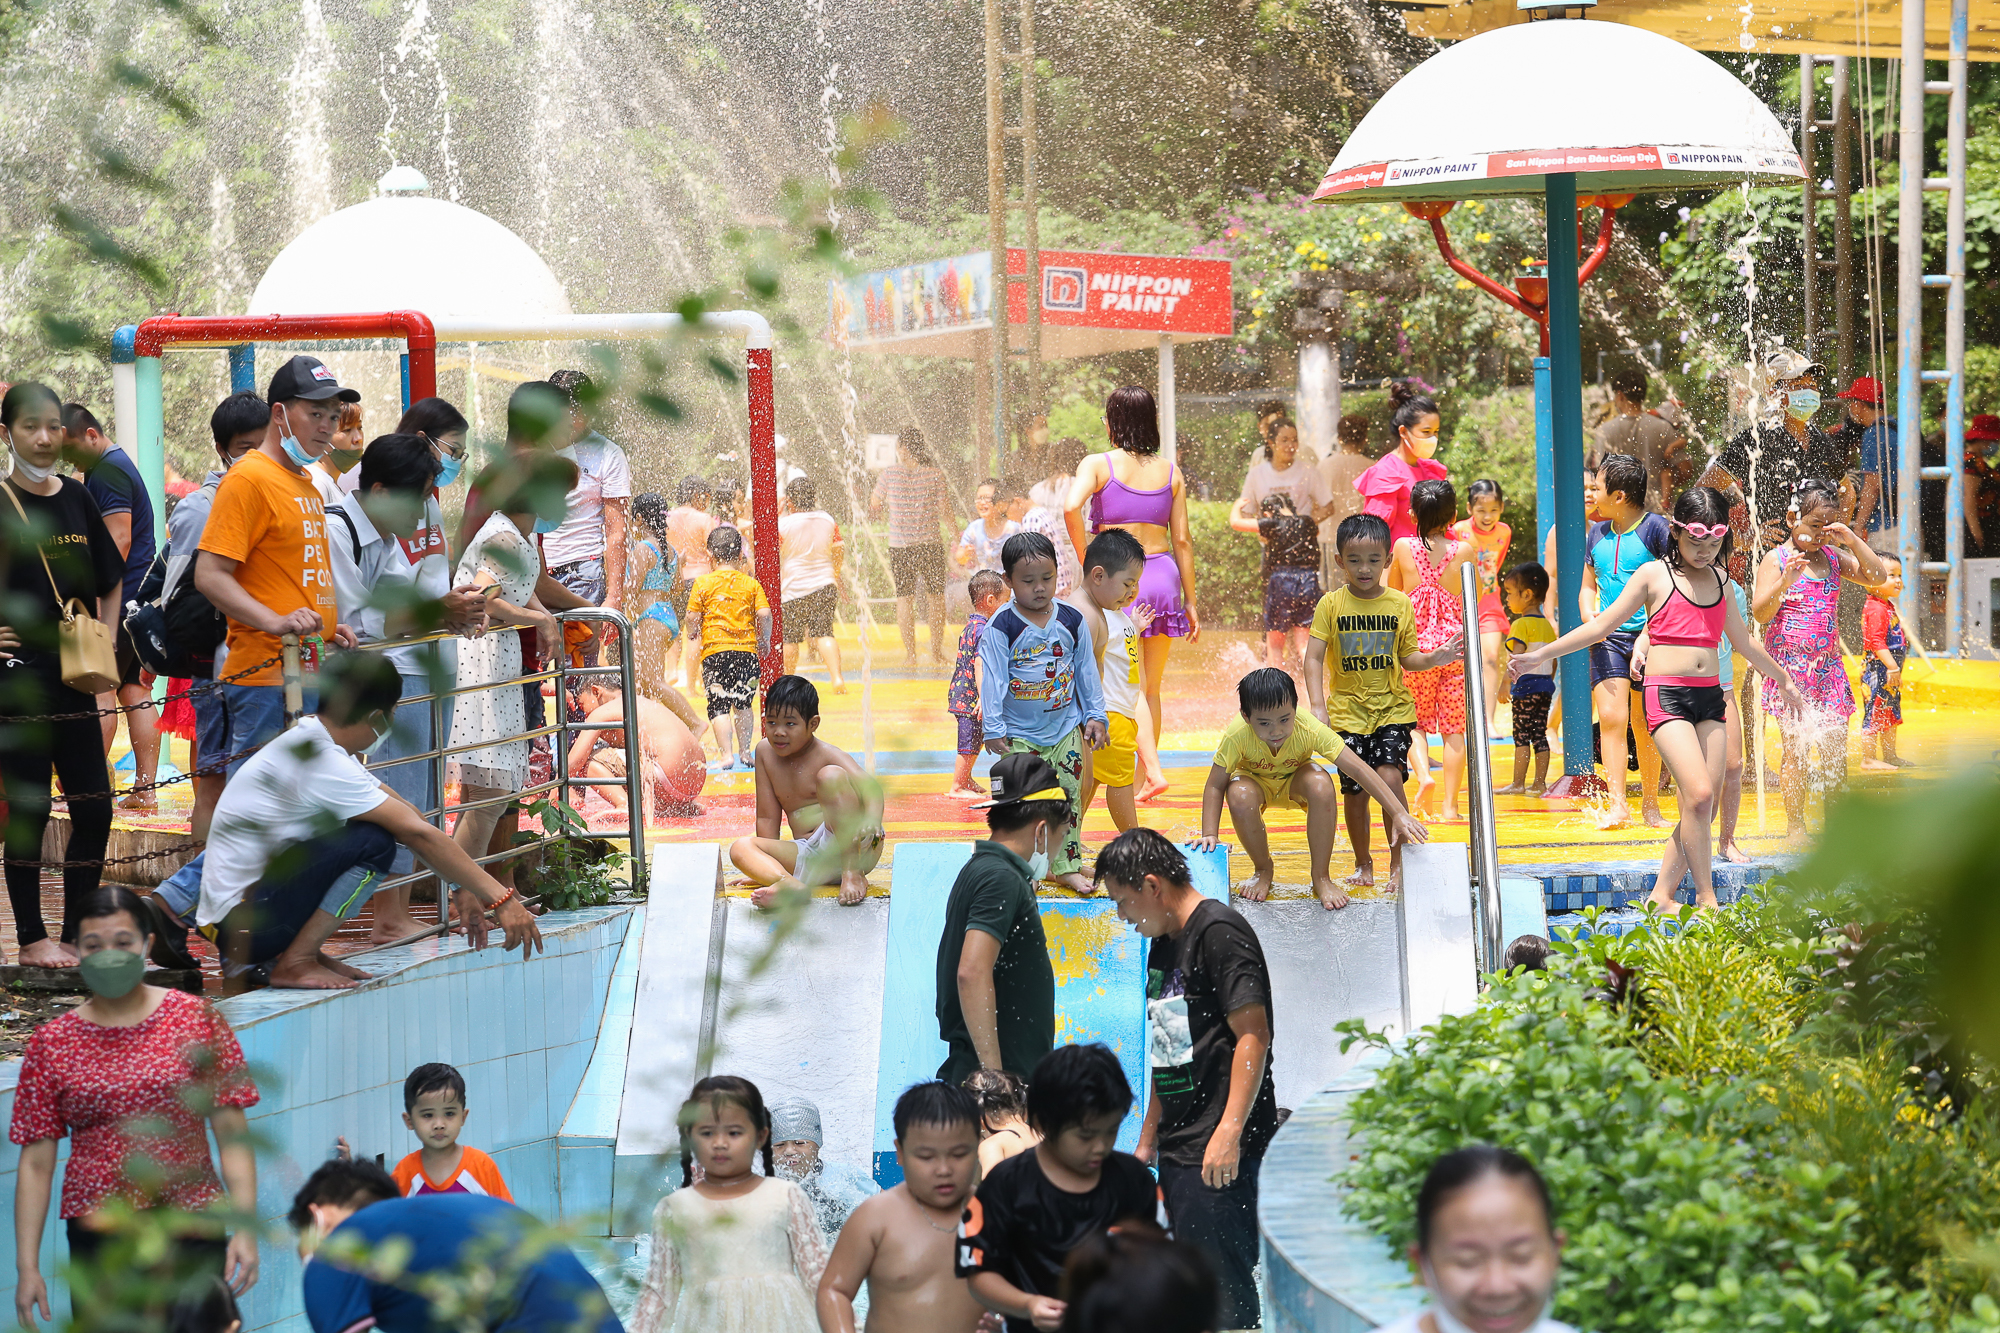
(1864, 390)
(1983, 427)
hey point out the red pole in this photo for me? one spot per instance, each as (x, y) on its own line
(764, 499)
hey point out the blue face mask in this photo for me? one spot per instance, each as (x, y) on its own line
(449, 469)
(545, 526)
(290, 444)
(1800, 404)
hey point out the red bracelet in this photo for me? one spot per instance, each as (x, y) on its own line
(499, 902)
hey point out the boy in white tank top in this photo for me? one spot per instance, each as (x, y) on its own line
(1112, 565)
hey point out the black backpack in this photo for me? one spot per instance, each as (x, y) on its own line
(176, 635)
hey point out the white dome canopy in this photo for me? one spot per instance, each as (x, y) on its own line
(407, 252)
(1625, 109)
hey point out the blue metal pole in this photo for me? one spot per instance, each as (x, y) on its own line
(243, 367)
(1954, 336)
(1566, 443)
(1545, 459)
(406, 381)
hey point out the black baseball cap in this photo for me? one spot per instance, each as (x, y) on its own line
(1022, 776)
(308, 377)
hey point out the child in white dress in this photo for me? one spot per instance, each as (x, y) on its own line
(733, 1251)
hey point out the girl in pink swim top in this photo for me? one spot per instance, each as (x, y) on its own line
(1688, 610)
(1385, 487)
(1796, 594)
(1132, 487)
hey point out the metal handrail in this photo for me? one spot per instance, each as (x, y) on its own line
(1479, 774)
(440, 751)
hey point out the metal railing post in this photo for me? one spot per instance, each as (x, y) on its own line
(1479, 773)
(440, 732)
(628, 682)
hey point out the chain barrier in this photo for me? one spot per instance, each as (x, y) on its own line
(120, 709)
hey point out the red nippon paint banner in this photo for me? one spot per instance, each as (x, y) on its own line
(1537, 162)
(1152, 293)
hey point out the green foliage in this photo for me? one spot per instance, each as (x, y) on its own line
(1494, 437)
(1726, 1115)
(1229, 581)
(577, 870)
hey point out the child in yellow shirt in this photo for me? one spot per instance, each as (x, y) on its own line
(1265, 758)
(730, 617)
(1358, 688)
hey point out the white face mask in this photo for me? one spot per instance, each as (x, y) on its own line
(38, 475)
(1448, 1322)
(1038, 860)
(381, 739)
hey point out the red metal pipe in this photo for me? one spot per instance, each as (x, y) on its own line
(414, 327)
(1606, 221)
(1478, 279)
(764, 508)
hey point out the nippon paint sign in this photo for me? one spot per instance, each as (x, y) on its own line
(1151, 293)
(1141, 293)
(1542, 161)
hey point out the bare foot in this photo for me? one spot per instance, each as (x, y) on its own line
(853, 888)
(1331, 896)
(1616, 816)
(1393, 884)
(1537, 788)
(1511, 789)
(910, 662)
(1075, 883)
(46, 952)
(840, 687)
(1421, 803)
(1257, 888)
(389, 929)
(307, 974)
(1154, 786)
(1904, 763)
(1877, 766)
(1363, 876)
(141, 801)
(1650, 812)
(766, 895)
(1734, 855)
(338, 968)
(1450, 816)
(970, 792)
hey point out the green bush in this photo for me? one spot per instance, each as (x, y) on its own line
(1228, 568)
(1732, 1140)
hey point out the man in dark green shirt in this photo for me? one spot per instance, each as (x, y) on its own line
(996, 992)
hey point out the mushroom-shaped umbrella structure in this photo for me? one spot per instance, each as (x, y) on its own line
(1552, 108)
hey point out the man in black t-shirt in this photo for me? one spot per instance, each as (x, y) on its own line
(1037, 1206)
(1208, 1032)
(1775, 454)
(996, 990)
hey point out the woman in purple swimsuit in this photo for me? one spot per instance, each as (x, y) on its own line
(1133, 488)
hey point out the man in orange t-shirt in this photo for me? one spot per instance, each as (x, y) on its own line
(263, 557)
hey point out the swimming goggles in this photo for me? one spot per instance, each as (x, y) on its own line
(1702, 532)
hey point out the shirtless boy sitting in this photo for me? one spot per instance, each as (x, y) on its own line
(822, 791)
(900, 1241)
(674, 770)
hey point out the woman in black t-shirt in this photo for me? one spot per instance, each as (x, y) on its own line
(63, 525)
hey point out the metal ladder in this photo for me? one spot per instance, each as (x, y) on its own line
(1910, 283)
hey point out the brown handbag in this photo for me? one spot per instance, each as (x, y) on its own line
(89, 661)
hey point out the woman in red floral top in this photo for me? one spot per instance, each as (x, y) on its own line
(134, 1072)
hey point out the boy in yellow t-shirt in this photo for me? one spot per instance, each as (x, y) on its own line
(1265, 758)
(730, 617)
(1358, 689)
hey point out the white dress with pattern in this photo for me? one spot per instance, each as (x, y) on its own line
(495, 657)
(747, 1265)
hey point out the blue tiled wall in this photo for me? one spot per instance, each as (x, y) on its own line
(521, 1032)
(1619, 883)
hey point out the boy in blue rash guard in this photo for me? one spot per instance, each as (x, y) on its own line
(1626, 538)
(1039, 689)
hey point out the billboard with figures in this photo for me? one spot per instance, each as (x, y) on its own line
(1090, 303)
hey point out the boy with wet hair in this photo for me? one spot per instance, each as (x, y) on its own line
(1038, 1206)
(1039, 689)
(1357, 688)
(834, 809)
(1208, 1034)
(1627, 537)
(1265, 758)
(730, 617)
(1111, 567)
(900, 1242)
(434, 1110)
(1524, 587)
(986, 590)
